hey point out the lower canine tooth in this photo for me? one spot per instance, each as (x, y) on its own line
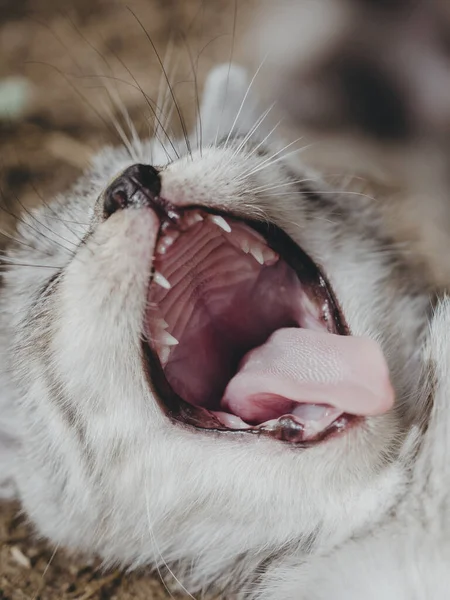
(161, 280)
(220, 221)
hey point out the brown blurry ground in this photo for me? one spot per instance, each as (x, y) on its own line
(70, 52)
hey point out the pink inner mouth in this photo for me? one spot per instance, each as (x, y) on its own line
(250, 341)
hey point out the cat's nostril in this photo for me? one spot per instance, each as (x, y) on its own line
(139, 185)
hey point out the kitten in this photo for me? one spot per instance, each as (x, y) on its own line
(199, 364)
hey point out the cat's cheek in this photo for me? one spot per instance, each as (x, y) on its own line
(105, 286)
(97, 319)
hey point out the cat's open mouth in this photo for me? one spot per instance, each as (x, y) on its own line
(240, 328)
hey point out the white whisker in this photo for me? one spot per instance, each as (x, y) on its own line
(156, 547)
(269, 188)
(252, 131)
(244, 100)
(263, 141)
(230, 60)
(44, 573)
(270, 160)
(119, 129)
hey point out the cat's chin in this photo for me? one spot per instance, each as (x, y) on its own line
(222, 290)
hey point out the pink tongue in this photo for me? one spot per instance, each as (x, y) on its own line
(310, 367)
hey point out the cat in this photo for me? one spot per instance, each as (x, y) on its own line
(214, 364)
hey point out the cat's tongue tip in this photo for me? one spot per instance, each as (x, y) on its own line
(303, 366)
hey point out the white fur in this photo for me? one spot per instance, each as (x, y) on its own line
(102, 470)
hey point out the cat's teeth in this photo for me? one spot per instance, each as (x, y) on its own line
(191, 219)
(166, 241)
(261, 253)
(220, 221)
(160, 323)
(163, 355)
(257, 254)
(166, 339)
(245, 246)
(195, 218)
(159, 279)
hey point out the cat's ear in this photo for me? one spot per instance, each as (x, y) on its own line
(229, 105)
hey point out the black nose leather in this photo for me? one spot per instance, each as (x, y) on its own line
(139, 185)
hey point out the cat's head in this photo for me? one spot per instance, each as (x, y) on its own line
(199, 338)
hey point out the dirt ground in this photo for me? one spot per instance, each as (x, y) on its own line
(69, 53)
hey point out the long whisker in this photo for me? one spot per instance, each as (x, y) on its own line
(44, 573)
(5, 262)
(244, 99)
(194, 18)
(165, 104)
(230, 61)
(202, 50)
(152, 534)
(26, 224)
(40, 224)
(18, 241)
(153, 110)
(58, 38)
(55, 216)
(120, 130)
(252, 131)
(113, 97)
(135, 86)
(197, 99)
(273, 162)
(112, 92)
(38, 221)
(78, 93)
(263, 141)
(177, 107)
(270, 188)
(270, 160)
(162, 100)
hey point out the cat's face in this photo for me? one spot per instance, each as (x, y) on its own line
(145, 438)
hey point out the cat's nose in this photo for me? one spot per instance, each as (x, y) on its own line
(139, 185)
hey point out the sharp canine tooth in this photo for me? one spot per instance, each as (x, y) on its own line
(166, 241)
(160, 323)
(164, 354)
(161, 280)
(245, 246)
(197, 217)
(257, 254)
(167, 339)
(220, 221)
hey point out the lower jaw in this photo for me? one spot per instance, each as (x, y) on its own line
(183, 414)
(284, 429)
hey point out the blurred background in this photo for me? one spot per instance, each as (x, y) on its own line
(70, 70)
